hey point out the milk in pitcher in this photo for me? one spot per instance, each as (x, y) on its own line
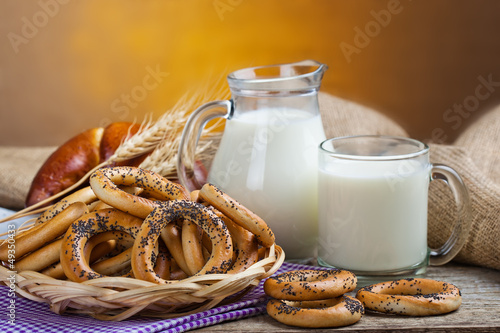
(267, 160)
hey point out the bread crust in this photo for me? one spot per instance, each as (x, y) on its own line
(113, 136)
(77, 156)
(65, 166)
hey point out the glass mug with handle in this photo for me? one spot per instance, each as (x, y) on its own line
(267, 158)
(373, 196)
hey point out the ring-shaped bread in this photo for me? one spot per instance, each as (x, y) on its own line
(310, 284)
(192, 245)
(237, 213)
(246, 248)
(115, 264)
(41, 258)
(412, 297)
(76, 267)
(85, 195)
(171, 235)
(334, 312)
(104, 182)
(171, 212)
(40, 234)
(56, 271)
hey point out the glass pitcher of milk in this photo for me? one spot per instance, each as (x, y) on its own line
(267, 158)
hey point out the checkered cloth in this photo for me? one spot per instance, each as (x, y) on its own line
(31, 317)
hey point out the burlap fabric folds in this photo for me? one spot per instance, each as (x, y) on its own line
(475, 155)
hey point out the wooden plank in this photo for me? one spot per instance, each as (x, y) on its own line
(479, 312)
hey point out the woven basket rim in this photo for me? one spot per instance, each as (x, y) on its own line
(119, 298)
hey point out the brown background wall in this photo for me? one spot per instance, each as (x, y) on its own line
(66, 66)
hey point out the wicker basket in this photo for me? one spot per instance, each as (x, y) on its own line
(118, 298)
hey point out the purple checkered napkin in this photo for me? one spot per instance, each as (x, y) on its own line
(31, 316)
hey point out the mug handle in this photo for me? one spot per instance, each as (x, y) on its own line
(190, 137)
(458, 237)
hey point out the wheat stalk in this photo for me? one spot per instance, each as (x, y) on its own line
(163, 159)
(152, 134)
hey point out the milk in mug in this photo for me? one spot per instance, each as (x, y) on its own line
(373, 214)
(267, 160)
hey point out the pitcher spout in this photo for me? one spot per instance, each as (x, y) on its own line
(302, 76)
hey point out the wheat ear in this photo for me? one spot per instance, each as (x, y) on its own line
(163, 160)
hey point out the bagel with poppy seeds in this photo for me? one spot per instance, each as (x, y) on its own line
(333, 312)
(170, 212)
(238, 213)
(411, 297)
(310, 284)
(313, 298)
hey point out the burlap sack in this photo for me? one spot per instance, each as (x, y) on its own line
(481, 140)
(475, 155)
(18, 167)
(342, 118)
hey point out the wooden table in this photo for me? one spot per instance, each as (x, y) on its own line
(479, 312)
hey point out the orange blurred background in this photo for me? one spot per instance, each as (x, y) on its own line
(66, 66)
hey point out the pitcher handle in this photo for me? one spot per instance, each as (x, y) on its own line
(456, 241)
(190, 137)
